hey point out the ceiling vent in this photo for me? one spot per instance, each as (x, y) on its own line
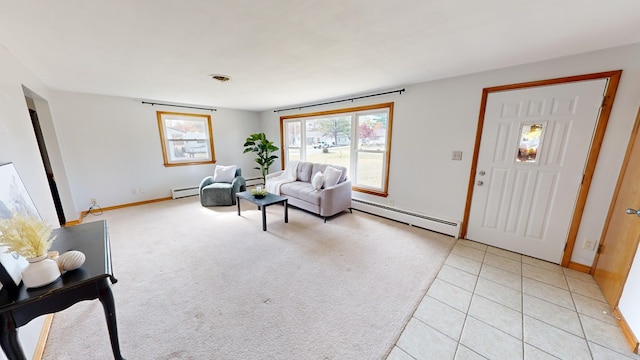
(219, 77)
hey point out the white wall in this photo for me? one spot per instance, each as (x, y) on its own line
(434, 118)
(17, 139)
(111, 145)
(18, 145)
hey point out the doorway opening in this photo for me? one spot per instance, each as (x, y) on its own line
(53, 187)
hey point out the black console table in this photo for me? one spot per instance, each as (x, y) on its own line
(18, 305)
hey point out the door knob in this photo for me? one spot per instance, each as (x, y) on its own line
(631, 211)
(482, 173)
(480, 183)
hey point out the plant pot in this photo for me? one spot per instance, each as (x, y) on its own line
(40, 271)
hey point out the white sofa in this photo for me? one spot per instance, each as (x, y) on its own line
(324, 202)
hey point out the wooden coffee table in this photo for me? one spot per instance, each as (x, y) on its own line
(262, 203)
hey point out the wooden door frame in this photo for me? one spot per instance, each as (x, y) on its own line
(601, 125)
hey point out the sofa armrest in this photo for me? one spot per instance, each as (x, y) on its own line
(335, 199)
(206, 181)
(274, 174)
(238, 184)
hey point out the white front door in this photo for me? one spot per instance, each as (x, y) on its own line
(532, 155)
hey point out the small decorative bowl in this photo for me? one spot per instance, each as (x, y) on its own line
(70, 260)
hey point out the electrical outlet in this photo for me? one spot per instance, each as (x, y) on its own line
(456, 155)
(94, 201)
(589, 244)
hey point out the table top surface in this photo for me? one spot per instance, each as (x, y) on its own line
(90, 238)
(269, 199)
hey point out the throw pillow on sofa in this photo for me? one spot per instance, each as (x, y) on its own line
(331, 176)
(317, 180)
(224, 174)
(305, 171)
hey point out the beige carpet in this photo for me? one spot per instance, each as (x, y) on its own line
(204, 283)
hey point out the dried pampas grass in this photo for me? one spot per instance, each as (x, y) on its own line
(25, 235)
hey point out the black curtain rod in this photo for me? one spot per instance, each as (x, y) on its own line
(181, 106)
(399, 91)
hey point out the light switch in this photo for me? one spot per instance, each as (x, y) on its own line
(456, 155)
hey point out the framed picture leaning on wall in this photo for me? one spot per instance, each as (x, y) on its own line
(13, 198)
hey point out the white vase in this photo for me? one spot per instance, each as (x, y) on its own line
(40, 271)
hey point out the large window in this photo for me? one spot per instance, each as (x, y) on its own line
(187, 139)
(356, 138)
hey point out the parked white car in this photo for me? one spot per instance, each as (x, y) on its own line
(192, 146)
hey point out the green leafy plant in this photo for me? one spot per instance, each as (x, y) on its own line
(26, 235)
(263, 148)
(259, 193)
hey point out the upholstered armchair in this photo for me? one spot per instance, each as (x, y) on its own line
(221, 188)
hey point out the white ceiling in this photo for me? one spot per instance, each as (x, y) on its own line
(287, 52)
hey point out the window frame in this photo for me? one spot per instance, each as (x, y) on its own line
(165, 142)
(354, 150)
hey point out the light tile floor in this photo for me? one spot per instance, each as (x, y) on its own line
(488, 303)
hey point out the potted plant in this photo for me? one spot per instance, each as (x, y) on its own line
(263, 148)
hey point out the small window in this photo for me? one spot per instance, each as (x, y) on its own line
(187, 139)
(530, 137)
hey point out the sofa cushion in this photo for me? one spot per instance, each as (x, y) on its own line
(331, 176)
(302, 191)
(304, 171)
(317, 180)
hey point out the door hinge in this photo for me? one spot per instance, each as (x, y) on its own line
(600, 249)
(604, 101)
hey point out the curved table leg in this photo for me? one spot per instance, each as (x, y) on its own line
(106, 298)
(9, 338)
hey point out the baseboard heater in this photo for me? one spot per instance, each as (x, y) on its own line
(254, 181)
(408, 217)
(178, 193)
